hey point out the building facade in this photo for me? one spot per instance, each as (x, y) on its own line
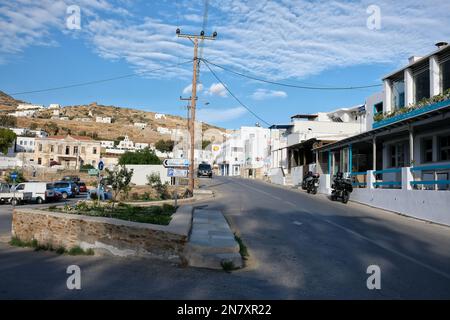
(68, 151)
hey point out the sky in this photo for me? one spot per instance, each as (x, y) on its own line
(44, 45)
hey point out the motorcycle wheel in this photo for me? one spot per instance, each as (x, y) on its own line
(345, 197)
(308, 191)
(314, 190)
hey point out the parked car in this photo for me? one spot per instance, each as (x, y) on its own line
(13, 197)
(72, 178)
(204, 170)
(82, 187)
(40, 191)
(68, 189)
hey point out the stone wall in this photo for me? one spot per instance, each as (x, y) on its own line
(104, 235)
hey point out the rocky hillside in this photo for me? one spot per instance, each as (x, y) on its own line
(81, 120)
(7, 102)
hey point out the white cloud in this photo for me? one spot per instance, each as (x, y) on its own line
(220, 115)
(263, 94)
(273, 39)
(217, 89)
(188, 89)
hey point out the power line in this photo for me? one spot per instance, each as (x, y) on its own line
(289, 85)
(80, 84)
(231, 93)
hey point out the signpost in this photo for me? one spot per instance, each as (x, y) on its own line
(100, 167)
(167, 163)
(176, 168)
(13, 176)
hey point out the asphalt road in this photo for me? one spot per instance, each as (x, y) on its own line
(301, 247)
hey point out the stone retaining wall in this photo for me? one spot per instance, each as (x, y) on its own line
(104, 235)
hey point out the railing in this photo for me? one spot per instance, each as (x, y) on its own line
(442, 184)
(383, 183)
(361, 184)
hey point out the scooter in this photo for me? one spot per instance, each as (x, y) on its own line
(341, 188)
(310, 182)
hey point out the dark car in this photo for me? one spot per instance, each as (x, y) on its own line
(204, 170)
(82, 187)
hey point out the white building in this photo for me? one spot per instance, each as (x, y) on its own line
(163, 130)
(140, 146)
(140, 125)
(107, 144)
(230, 158)
(126, 144)
(159, 116)
(103, 119)
(24, 106)
(25, 144)
(54, 106)
(28, 132)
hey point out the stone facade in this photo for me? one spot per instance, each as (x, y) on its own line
(104, 235)
(70, 151)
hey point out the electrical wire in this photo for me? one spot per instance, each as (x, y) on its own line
(289, 85)
(99, 81)
(231, 93)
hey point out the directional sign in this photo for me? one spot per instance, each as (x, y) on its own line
(13, 175)
(93, 172)
(101, 165)
(172, 172)
(176, 163)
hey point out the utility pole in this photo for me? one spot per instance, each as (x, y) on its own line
(194, 39)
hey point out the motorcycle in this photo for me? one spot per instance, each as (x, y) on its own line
(341, 188)
(310, 182)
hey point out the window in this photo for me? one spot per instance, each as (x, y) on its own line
(20, 187)
(75, 150)
(40, 146)
(21, 142)
(398, 94)
(445, 75)
(422, 85)
(67, 150)
(39, 160)
(60, 149)
(83, 150)
(444, 148)
(427, 147)
(52, 148)
(397, 155)
(94, 150)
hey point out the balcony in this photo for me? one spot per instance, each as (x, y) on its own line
(425, 106)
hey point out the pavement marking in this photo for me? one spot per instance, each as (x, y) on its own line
(400, 254)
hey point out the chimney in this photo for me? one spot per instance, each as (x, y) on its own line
(413, 59)
(441, 44)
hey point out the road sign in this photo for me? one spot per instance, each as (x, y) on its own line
(101, 165)
(93, 172)
(181, 173)
(176, 163)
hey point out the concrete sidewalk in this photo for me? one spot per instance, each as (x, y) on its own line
(211, 242)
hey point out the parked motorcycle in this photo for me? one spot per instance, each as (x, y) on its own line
(310, 182)
(341, 188)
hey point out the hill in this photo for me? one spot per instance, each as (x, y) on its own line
(81, 120)
(8, 103)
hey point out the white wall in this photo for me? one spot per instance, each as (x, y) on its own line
(422, 204)
(142, 171)
(297, 175)
(276, 176)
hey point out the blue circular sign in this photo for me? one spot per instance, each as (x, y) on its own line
(101, 165)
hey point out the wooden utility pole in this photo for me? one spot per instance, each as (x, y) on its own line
(194, 39)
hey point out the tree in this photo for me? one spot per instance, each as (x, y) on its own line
(52, 128)
(145, 156)
(205, 144)
(165, 146)
(7, 138)
(20, 178)
(8, 121)
(154, 180)
(119, 179)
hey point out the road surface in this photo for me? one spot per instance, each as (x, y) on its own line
(301, 247)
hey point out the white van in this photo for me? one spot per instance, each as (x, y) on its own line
(40, 191)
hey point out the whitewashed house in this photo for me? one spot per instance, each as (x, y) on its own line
(103, 119)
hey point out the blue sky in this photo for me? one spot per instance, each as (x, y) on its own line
(324, 43)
